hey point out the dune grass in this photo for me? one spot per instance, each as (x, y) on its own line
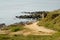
(14, 28)
(52, 20)
(56, 36)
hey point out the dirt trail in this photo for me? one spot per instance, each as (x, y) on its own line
(36, 28)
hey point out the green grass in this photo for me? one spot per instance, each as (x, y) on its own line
(56, 36)
(4, 37)
(14, 28)
(51, 21)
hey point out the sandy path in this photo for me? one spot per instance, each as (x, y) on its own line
(35, 27)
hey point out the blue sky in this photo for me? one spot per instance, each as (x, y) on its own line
(13, 7)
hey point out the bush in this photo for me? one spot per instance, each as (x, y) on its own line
(14, 29)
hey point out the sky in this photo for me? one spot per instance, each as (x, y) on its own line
(9, 8)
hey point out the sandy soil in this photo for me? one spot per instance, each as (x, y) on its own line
(39, 30)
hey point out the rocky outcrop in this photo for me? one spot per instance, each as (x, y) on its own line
(34, 15)
(2, 25)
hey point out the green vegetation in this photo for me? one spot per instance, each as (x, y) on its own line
(56, 36)
(4, 37)
(51, 21)
(14, 28)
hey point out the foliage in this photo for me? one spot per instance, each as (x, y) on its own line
(14, 28)
(55, 36)
(4, 37)
(52, 20)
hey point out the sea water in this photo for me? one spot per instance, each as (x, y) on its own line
(11, 8)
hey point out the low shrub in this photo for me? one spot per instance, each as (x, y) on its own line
(14, 29)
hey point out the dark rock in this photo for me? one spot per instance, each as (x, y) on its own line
(33, 15)
(2, 25)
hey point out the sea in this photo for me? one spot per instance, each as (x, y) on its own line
(11, 8)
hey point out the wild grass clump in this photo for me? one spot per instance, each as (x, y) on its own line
(4, 37)
(14, 28)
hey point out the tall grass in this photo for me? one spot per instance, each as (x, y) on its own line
(52, 20)
(56, 36)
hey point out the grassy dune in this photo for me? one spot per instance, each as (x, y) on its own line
(56, 36)
(52, 20)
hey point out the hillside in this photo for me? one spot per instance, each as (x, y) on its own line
(52, 20)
